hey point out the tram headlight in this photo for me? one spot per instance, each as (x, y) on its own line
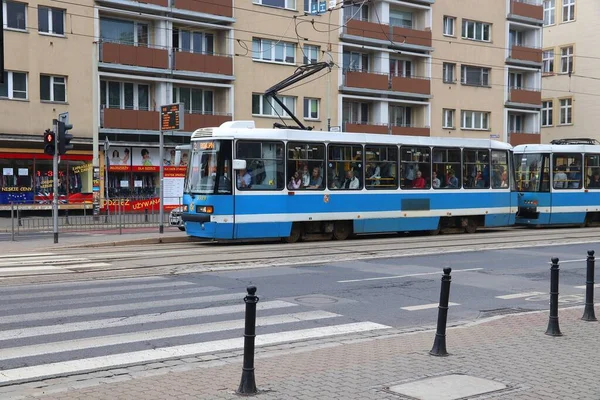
(205, 209)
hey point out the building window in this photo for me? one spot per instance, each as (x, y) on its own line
(356, 10)
(568, 10)
(193, 42)
(355, 61)
(124, 95)
(449, 26)
(355, 112)
(270, 108)
(515, 80)
(311, 6)
(566, 111)
(15, 15)
(270, 50)
(476, 30)
(549, 12)
(289, 4)
(311, 108)
(401, 19)
(14, 86)
(124, 32)
(449, 72)
(311, 54)
(51, 20)
(515, 38)
(548, 61)
(401, 68)
(566, 60)
(478, 120)
(476, 76)
(547, 113)
(448, 118)
(515, 123)
(53, 88)
(195, 101)
(400, 116)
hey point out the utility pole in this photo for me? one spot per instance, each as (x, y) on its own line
(55, 182)
(1, 47)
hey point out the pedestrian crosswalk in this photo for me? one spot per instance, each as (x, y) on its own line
(15, 265)
(70, 328)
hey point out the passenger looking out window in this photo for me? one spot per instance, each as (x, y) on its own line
(452, 180)
(560, 178)
(295, 181)
(574, 175)
(595, 181)
(567, 173)
(504, 180)
(308, 159)
(351, 181)
(305, 176)
(435, 181)
(243, 179)
(419, 181)
(316, 180)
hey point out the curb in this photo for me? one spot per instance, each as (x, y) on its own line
(144, 241)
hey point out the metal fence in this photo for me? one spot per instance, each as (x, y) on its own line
(25, 219)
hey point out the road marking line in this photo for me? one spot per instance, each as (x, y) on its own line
(49, 287)
(165, 333)
(518, 295)
(31, 268)
(15, 375)
(137, 319)
(44, 261)
(427, 306)
(597, 285)
(79, 312)
(569, 261)
(83, 266)
(408, 275)
(26, 255)
(107, 291)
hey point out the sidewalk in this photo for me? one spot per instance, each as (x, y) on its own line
(512, 350)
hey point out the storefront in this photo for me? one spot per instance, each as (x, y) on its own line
(132, 178)
(28, 179)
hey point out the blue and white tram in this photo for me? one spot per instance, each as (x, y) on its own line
(557, 184)
(246, 183)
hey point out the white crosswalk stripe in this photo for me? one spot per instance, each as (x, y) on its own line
(72, 328)
(15, 265)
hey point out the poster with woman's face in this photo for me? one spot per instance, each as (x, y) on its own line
(145, 156)
(170, 158)
(119, 156)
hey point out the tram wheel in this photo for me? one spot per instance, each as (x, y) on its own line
(471, 226)
(295, 234)
(341, 230)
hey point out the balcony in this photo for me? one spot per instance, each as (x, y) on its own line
(518, 138)
(376, 31)
(162, 3)
(410, 131)
(206, 63)
(524, 96)
(366, 80)
(411, 85)
(528, 9)
(527, 54)
(196, 121)
(353, 127)
(223, 8)
(115, 118)
(139, 56)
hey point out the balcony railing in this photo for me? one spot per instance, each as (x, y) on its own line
(525, 53)
(397, 34)
(207, 63)
(410, 130)
(387, 82)
(163, 3)
(116, 118)
(208, 120)
(385, 129)
(518, 138)
(527, 8)
(525, 96)
(129, 54)
(222, 8)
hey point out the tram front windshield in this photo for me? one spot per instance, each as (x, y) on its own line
(209, 170)
(532, 172)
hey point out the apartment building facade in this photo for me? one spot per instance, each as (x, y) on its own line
(571, 61)
(48, 51)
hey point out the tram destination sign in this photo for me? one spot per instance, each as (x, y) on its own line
(171, 117)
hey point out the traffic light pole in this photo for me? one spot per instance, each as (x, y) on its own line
(161, 200)
(55, 184)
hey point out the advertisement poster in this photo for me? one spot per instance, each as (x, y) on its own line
(119, 159)
(170, 158)
(145, 157)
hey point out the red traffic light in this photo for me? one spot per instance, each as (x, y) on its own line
(49, 137)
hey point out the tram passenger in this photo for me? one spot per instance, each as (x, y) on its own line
(504, 180)
(316, 181)
(595, 181)
(435, 181)
(243, 179)
(419, 181)
(574, 175)
(351, 181)
(375, 178)
(305, 176)
(295, 181)
(560, 178)
(452, 180)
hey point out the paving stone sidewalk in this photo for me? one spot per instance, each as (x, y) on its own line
(512, 349)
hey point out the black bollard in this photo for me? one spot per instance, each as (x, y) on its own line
(588, 313)
(146, 215)
(553, 328)
(67, 217)
(248, 384)
(439, 344)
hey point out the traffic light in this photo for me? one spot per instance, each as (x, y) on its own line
(49, 145)
(64, 138)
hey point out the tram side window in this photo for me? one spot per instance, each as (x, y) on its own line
(345, 167)
(500, 175)
(415, 167)
(567, 171)
(306, 166)
(592, 171)
(476, 169)
(381, 171)
(264, 166)
(447, 168)
(532, 172)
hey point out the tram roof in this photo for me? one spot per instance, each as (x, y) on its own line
(246, 130)
(557, 148)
